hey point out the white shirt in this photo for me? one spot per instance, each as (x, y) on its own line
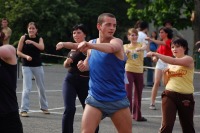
(141, 39)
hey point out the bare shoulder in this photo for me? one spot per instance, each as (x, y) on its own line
(188, 61)
(10, 48)
(189, 58)
(116, 40)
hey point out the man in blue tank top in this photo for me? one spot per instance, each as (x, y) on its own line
(107, 95)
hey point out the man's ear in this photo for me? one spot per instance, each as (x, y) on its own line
(98, 26)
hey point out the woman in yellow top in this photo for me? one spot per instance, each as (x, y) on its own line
(178, 93)
(134, 71)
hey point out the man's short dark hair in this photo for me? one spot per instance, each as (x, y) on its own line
(168, 22)
(80, 27)
(144, 25)
(100, 19)
(4, 19)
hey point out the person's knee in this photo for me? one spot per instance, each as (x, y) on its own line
(69, 111)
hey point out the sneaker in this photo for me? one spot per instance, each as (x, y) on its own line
(45, 111)
(142, 119)
(24, 114)
(152, 107)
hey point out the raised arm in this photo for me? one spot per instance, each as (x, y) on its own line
(186, 61)
(68, 45)
(20, 46)
(158, 42)
(113, 46)
(39, 45)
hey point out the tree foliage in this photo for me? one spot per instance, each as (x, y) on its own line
(157, 11)
(56, 18)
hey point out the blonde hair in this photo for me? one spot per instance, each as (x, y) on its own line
(131, 31)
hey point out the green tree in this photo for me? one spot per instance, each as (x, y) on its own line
(90, 9)
(54, 19)
(157, 11)
(57, 17)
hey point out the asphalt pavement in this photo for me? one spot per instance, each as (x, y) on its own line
(37, 122)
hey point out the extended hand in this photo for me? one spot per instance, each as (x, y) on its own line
(59, 46)
(29, 42)
(83, 46)
(81, 66)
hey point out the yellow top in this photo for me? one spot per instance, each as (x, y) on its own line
(180, 79)
(134, 62)
(7, 31)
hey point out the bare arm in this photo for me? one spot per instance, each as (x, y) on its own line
(67, 62)
(144, 47)
(186, 61)
(165, 76)
(114, 46)
(158, 42)
(68, 45)
(39, 45)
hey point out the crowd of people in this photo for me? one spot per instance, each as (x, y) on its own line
(102, 89)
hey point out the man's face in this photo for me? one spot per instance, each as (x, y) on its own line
(4, 23)
(108, 27)
(168, 25)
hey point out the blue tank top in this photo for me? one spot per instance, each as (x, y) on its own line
(106, 76)
(8, 80)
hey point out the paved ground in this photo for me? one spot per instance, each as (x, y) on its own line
(54, 74)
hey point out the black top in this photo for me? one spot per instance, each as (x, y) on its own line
(31, 50)
(76, 56)
(8, 81)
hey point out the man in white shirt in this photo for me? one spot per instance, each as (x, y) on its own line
(142, 35)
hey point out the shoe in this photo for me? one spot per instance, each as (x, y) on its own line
(24, 114)
(142, 119)
(45, 111)
(152, 107)
(149, 85)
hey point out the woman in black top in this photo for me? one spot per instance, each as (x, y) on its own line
(29, 48)
(75, 82)
(9, 115)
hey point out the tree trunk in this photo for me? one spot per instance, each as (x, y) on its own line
(196, 23)
(196, 26)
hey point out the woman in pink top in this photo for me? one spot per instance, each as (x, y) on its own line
(164, 49)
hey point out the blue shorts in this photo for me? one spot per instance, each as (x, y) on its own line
(107, 108)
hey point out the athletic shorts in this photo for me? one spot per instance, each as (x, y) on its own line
(107, 108)
(161, 64)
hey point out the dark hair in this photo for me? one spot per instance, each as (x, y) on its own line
(183, 43)
(2, 35)
(32, 23)
(4, 19)
(80, 27)
(100, 19)
(168, 31)
(156, 37)
(143, 25)
(137, 24)
(169, 22)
